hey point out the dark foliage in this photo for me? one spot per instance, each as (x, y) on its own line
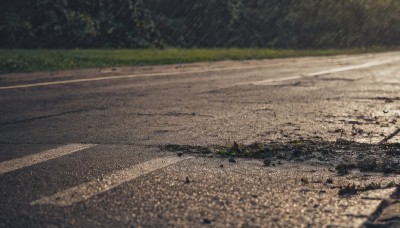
(195, 23)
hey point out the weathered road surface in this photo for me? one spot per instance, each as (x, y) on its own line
(85, 148)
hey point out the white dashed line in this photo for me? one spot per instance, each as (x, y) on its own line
(273, 80)
(335, 70)
(265, 82)
(85, 191)
(19, 163)
(134, 76)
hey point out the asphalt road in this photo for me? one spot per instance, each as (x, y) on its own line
(88, 147)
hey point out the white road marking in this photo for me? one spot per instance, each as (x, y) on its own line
(273, 80)
(87, 190)
(135, 76)
(334, 70)
(19, 163)
(355, 67)
(265, 82)
(371, 200)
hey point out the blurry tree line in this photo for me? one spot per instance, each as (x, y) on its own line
(199, 23)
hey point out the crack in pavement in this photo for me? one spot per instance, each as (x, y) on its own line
(389, 137)
(172, 114)
(338, 79)
(385, 99)
(50, 116)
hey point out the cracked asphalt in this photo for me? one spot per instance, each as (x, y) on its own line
(126, 117)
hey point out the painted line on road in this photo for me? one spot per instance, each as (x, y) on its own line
(134, 76)
(330, 71)
(72, 81)
(87, 190)
(389, 137)
(269, 81)
(19, 163)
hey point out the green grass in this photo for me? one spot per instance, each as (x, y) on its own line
(12, 61)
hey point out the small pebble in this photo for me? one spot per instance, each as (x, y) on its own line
(232, 160)
(187, 181)
(267, 162)
(206, 221)
(304, 180)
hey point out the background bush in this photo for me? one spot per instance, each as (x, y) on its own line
(199, 23)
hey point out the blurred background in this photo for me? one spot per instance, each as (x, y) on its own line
(295, 24)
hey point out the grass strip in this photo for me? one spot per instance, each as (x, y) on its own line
(13, 61)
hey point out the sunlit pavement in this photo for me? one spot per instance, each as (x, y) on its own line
(85, 148)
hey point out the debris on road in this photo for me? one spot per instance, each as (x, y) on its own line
(187, 181)
(235, 147)
(267, 162)
(304, 180)
(344, 155)
(329, 181)
(205, 221)
(348, 190)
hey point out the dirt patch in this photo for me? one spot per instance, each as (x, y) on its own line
(342, 156)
